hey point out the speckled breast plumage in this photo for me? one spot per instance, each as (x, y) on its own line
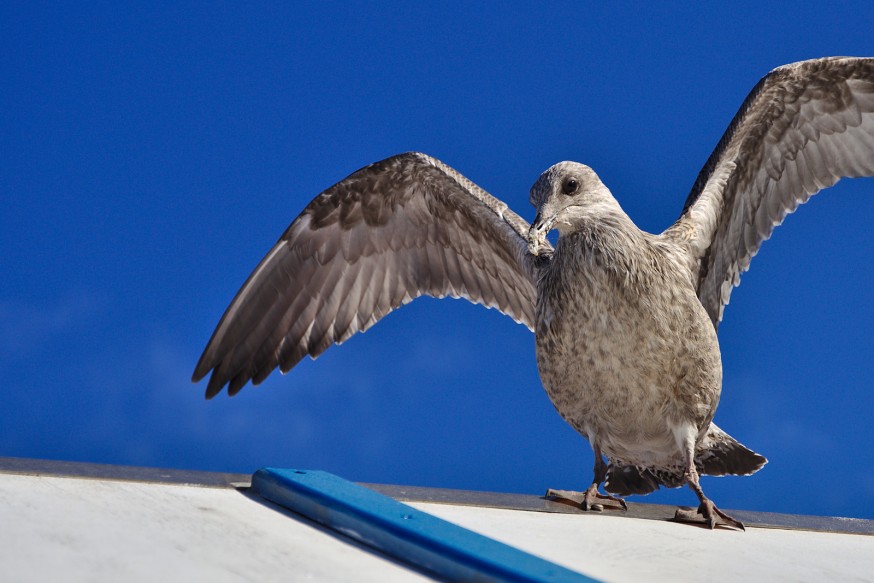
(625, 358)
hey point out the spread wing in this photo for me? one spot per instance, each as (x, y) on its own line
(802, 128)
(395, 230)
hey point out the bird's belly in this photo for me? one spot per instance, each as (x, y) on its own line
(605, 375)
(628, 373)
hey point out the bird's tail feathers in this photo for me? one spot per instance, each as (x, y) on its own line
(625, 480)
(718, 454)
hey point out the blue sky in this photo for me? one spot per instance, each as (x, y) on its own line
(151, 156)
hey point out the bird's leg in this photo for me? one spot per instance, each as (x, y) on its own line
(591, 499)
(707, 512)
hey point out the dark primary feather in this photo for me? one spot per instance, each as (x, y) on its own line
(802, 128)
(395, 230)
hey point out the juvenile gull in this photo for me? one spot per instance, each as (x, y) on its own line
(625, 321)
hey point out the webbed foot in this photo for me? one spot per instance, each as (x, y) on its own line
(591, 499)
(709, 515)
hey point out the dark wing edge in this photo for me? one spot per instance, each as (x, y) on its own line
(395, 230)
(802, 128)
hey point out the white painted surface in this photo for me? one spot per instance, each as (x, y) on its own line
(71, 529)
(614, 548)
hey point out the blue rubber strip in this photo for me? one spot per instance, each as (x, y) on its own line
(411, 536)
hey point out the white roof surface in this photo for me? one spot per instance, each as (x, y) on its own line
(85, 529)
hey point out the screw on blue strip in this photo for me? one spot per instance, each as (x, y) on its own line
(411, 536)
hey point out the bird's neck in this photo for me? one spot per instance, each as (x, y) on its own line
(610, 241)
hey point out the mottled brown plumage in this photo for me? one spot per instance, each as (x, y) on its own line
(625, 321)
(626, 352)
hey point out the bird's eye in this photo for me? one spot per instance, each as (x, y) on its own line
(570, 186)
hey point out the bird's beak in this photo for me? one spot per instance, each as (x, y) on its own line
(537, 242)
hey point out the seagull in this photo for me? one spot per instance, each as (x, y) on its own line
(625, 321)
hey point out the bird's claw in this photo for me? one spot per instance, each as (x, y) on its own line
(709, 515)
(591, 499)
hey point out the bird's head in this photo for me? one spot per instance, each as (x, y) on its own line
(565, 196)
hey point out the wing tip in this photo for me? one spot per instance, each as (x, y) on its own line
(215, 385)
(237, 383)
(203, 368)
(198, 374)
